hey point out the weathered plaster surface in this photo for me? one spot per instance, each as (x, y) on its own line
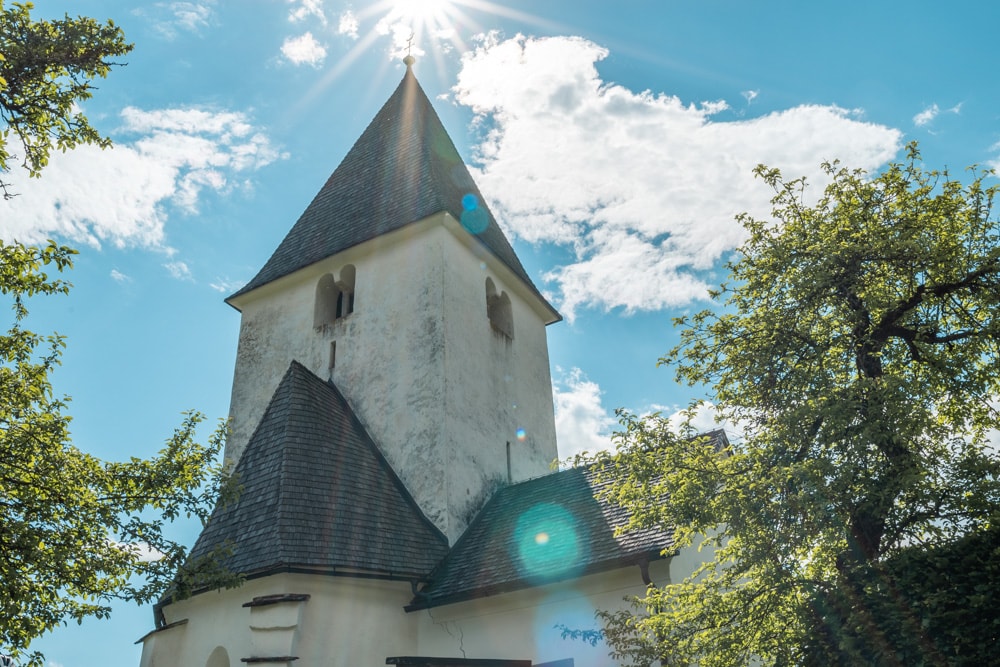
(349, 622)
(527, 624)
(346, 622)
(439, 390)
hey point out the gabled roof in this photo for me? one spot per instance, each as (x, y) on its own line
(317, 495)
(402, 169)
(540, 531)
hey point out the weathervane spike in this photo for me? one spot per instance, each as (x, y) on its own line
(409, 59)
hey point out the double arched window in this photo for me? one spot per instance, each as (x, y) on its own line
(334, 297)
(498, 310)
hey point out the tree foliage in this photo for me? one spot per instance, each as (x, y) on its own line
(858, 346)
(46, 69)
(922, 606)
(77, 532)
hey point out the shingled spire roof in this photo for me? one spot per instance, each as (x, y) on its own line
(317, 495)
(402, 169)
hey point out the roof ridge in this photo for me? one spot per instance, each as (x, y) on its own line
(385, 465)
(281, 519)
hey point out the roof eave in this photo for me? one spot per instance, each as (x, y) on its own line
(523, 583)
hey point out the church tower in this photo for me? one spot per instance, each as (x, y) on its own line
(392, 432)
(397, 286)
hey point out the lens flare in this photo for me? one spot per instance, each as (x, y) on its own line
(547, 543)
(474, 217)
(521, 434)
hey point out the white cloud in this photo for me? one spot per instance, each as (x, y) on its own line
(303, 9)
(191, 15)
(144, 551)
(994, 164)
(304, 50)
(642, 186)
(170, 18)
(179, 270)
(582, 422)
(120, 277)
(226, 285)
(750, 95)
(348, 25)
(926, 116)
(702, 418)
(163, 159)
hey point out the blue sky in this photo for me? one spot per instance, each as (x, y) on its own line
(614, 140)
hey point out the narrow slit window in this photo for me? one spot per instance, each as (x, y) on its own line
(510, 477)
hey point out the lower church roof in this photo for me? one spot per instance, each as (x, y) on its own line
(317, 495)
(544, 530)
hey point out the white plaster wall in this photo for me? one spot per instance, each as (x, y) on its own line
(354, 622)
(494, 385)
(438, 390)
(524, 625)
(346, 623)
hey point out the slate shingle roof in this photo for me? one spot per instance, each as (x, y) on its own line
(318, 495)
(403, 168)
(543, 530)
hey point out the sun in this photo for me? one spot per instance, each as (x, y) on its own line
(423, 11)
(437, 29)
(418, 25)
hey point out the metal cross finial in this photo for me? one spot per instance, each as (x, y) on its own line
(409, 43)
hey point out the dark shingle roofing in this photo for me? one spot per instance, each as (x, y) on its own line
(403, 168)
(318, 495)
(546, 529)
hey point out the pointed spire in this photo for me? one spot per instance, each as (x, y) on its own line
(402, 169)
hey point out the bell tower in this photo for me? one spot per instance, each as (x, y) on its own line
(397, 286)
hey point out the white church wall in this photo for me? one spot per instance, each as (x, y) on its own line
(438, 389)
(526, 624)
(346, 622)
(387, 355)
(498, 391)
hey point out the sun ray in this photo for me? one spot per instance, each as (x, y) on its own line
(422, 28)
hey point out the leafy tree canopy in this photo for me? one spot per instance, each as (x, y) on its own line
(46, 69)
(858, 346)
(77, 532)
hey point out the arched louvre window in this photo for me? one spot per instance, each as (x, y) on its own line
(498, 310)
(334, 298)
(346, 284)
(327, 297)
